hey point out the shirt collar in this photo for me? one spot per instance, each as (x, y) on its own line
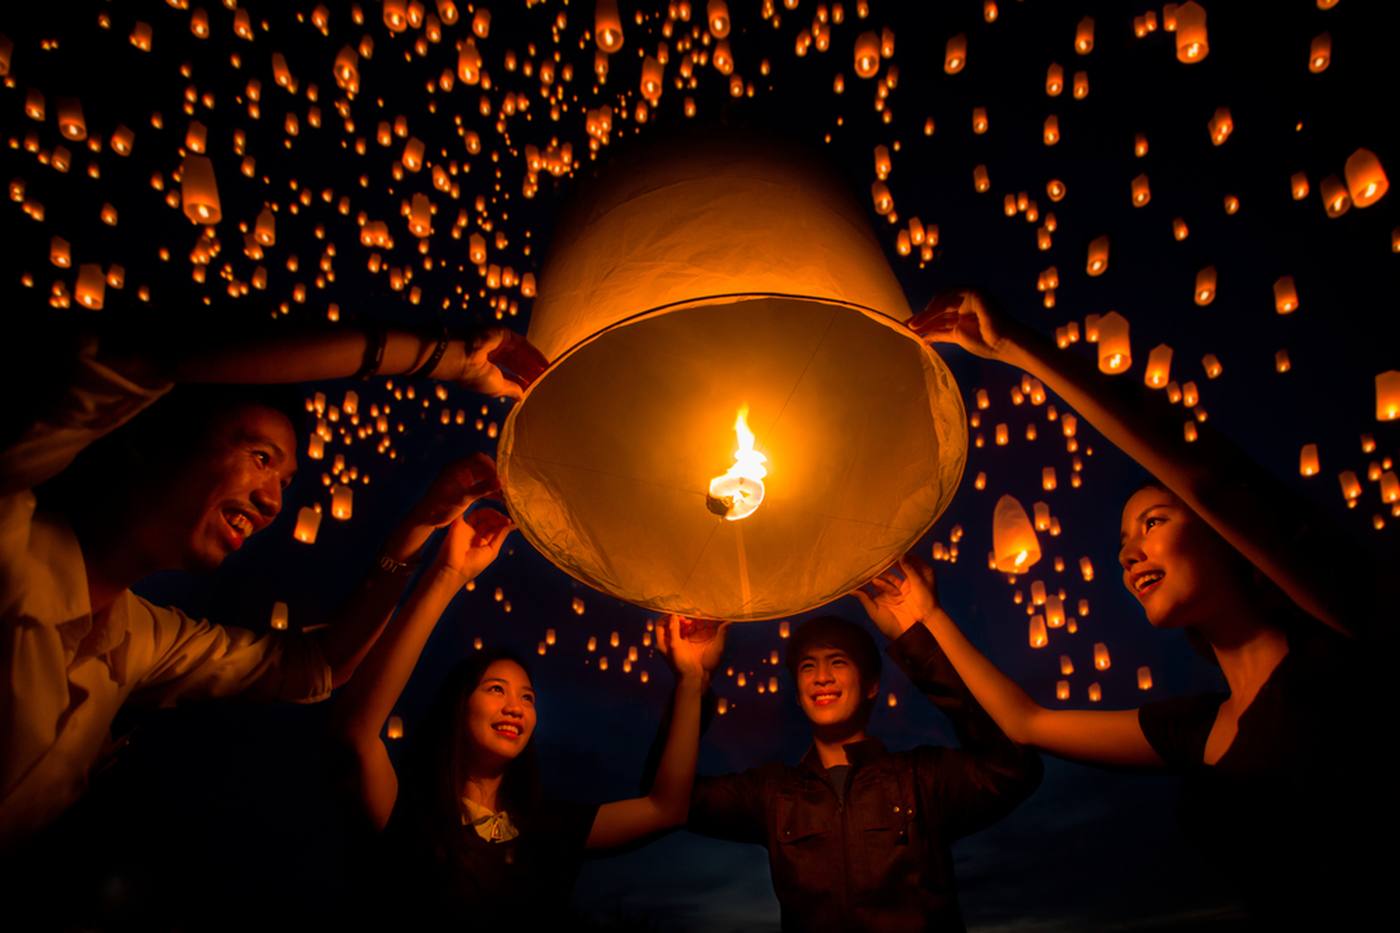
(857, 753)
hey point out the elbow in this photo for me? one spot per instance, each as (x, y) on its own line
(671, 810)
(1021, 726)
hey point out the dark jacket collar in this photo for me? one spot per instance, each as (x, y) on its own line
(857, 753)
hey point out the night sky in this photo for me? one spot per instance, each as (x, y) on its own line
(232, 800)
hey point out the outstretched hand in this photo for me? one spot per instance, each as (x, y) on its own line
(501, 362)
(458, 486)
(473, 542)
(900, 600)
(965, 317)
(692, 647)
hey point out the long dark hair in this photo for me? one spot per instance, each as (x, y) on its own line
(429, 806)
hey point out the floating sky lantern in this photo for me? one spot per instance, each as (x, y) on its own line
(1115, 353)
(1307, 460)
(955, 54)
(1388, 395)
(1320, 53)
(1192, 42)
(685, 288)
(1205, 286)
(1015, 547)
(1366, 181)
(1335, 197)
(199, 192)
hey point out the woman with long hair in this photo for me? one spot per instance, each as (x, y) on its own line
(1279, 788)
(466, 831)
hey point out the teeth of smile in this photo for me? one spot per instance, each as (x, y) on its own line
(1146, 580)
(507, 729)
(239, 522)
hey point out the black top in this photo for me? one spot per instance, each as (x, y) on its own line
(464, 881)
(1295, 809)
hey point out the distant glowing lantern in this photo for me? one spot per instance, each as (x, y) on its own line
(199, 192)
(1388, 396)
(1366, 181)
(1050, 133)
(1192, 43)
(1097, 263)
(1054, 80)
(1115, 353)
(1141, 192)
(1062, 689)
(1144, 678)
(867, 54)
(91, 286)
(1282, 363)
(393, 729)
(607, 26)
(717, 17)
(1320, 53)
(1285, 295)
(1335, 197)
(70, 119)
(1221, 125)
(1298, 184)
(308, 523)
(628, 317)
(1159, 365)
(1084, 36)
(279, 616)
(955, 54)
(1102, 661)
(1015, 545)
(1211, 364)
(1039, 638)
(1307, 460)
(1095, 693)
(1205, 286)
(342, 502)
(1179, 229)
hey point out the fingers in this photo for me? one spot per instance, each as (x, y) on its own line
(663, 638)
(515, 357)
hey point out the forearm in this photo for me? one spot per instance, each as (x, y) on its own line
(369, 698)
(670, 792)
(275, 356)
(1008, 705)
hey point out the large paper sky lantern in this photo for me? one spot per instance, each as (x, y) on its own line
(735, 424)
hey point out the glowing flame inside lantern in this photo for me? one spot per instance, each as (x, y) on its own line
(739, 492)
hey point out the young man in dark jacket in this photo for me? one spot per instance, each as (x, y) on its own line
(858, 836)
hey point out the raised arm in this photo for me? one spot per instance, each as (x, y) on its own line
(1301, 550)
(1112, 737)
(472, 543)
(687, 647)
(363, 616)
(496, 361)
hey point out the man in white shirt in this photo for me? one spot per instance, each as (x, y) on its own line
(76, 643)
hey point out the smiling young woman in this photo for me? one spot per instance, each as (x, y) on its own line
(467, 835)
(1279, 787)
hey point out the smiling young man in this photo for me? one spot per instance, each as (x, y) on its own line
(858, 836)
(180, 489)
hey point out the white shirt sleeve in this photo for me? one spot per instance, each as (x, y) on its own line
(195, 659)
